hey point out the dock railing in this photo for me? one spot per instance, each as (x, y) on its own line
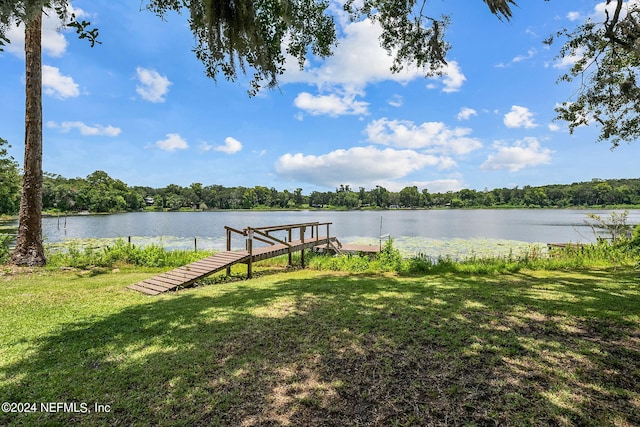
(271, 235)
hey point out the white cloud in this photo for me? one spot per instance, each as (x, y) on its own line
(84, 129)
(231, 146)
(466, 113)
(173, 142)
(519, 117)
(530, 54)
(569, 60)
(358, 60)
(452, 77)
(15, 34)
(57, 85)
(153, 86)
(205, 146)
(360, 45)
(434, 136)
(333, 105)
(573, 16)
(598, 15)
(54, 43)
(522, 154)
(396, 101)
(583, 119)
(443, 185)
(435, 186)
(355, 166)
(553, 127)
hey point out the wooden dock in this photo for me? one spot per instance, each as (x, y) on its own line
(277, 245)
(188, 274)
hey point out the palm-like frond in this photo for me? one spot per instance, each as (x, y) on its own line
(501, 8)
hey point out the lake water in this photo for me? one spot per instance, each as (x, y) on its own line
(432, 232)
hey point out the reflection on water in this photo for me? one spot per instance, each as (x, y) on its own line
(412, 230)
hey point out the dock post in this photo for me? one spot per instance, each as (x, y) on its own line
(228, 249)
(290, 257)
(303, 230)
(250, 250)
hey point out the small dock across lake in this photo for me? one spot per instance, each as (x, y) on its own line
(278, 240)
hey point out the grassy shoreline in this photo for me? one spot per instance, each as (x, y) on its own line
(326, 348)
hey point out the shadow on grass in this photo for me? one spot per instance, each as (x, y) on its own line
(358, 350)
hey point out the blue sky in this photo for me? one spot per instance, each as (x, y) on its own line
(139, 107)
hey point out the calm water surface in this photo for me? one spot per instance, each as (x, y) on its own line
(178, 229)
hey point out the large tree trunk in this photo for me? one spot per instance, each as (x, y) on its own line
(29, 250)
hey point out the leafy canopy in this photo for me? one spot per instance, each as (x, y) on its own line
(234, 35)
(23, 11)
(231, 35)
(607, 56)
(9, 181)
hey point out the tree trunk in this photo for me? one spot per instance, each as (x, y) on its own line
(29, 250)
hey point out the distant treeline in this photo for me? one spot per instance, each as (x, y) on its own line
(98, 192)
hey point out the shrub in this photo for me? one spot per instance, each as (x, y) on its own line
(635, 236)
(615, 227)
(600, 254)
(76, 256)
(419, 264)
(5, 250)
(389, 258)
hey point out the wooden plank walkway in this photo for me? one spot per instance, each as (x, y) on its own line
(190, 273)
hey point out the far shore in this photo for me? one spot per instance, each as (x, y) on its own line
(48, 214)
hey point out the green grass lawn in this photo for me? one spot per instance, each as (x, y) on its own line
(325, 349)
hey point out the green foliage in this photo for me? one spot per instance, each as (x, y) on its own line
(230, 36)
(9, 181)
(528, 349)
(615, 227)
(422, 264)
(601, 254)
(348, 263)
(20, 11)
(97, 193)
(410, 197)
(5, 251)
(77, 255)
(607, 71)
(101, 193)
(83, 31)
(635, 237)
(389, 258)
